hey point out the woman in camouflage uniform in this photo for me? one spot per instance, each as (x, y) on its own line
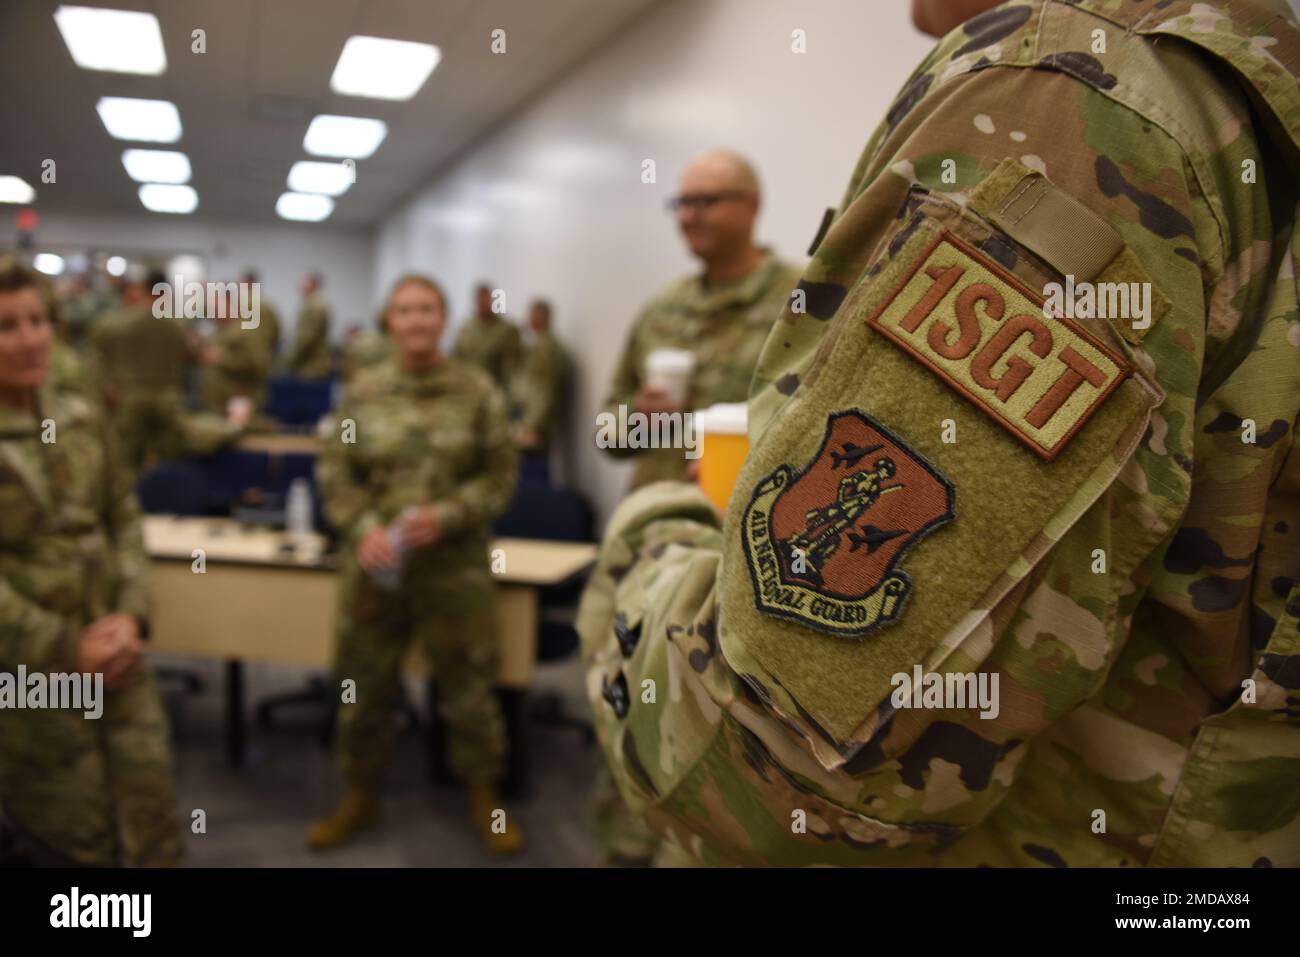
(76, 787)
(420, 465)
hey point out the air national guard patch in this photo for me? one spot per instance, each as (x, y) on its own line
(987, 335)
(822, 543)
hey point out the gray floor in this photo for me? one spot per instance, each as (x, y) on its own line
(256, 816)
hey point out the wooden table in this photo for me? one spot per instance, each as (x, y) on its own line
(258, 600)
(280, 443)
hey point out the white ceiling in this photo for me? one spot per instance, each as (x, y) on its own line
(246, 102)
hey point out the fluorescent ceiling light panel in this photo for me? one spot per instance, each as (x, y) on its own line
(350, 137)
(146, 121)
(156, 166)
(48, 263)
(122, 41)
(115, 266)
(15, 190)
(330, 179)
(305, 207)
(162, 198)
(383, 69)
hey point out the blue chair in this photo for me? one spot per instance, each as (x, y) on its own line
(540, 511)
(299, 401)
(173, 488)
(535, 468)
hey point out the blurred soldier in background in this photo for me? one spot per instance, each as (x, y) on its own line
(268, 319)
(366, 347)
(236, 361)
(79, 307)
(490, 341)
(1091, 523)
(540, 387)
(310, 356)
(140, 363)
(720, 315)
(74, 600)
(421, 464)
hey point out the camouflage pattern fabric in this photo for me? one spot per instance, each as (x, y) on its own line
(438, 438)
(494, 345)
(268, 330)
(310, 356)
(76, 317)
(76, 791)
(243, 369)
(70, 373)
(539, 389)
(724, 327)
(143, 360)
(133, 351)
(1135, 595)
(368, 349)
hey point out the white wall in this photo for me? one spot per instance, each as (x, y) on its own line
(551, 203)
(280, 254)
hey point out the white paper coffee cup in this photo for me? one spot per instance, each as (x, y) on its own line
(671, 371)
(239, 410)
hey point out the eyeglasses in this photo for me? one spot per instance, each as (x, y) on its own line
(703, 201)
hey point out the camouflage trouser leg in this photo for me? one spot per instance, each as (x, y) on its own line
(374, 630)
(140, 775)
(92, 793)
(623, 839)
(457, 629)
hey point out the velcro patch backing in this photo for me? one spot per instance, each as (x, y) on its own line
(986, 334)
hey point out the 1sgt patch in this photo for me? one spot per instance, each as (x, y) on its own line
(987, 335)
(822, 543)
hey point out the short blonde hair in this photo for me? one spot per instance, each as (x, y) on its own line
(416, 279)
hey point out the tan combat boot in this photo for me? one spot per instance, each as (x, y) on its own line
(357, 811)
(483, 802)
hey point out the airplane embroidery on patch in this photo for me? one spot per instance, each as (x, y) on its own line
(822, 543)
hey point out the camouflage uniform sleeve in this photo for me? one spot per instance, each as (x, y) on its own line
(345, 497)
(122, 519)
(312, 329)
(268, 331)
(458, 347)
(741, 711)
(481, 498)
(542, 383)
(625, 382)
(32, 635)
(245, 355)
(97, 365)
(512, 359)
(663, 538)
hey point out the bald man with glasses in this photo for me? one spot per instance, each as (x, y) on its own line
(721, 314)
